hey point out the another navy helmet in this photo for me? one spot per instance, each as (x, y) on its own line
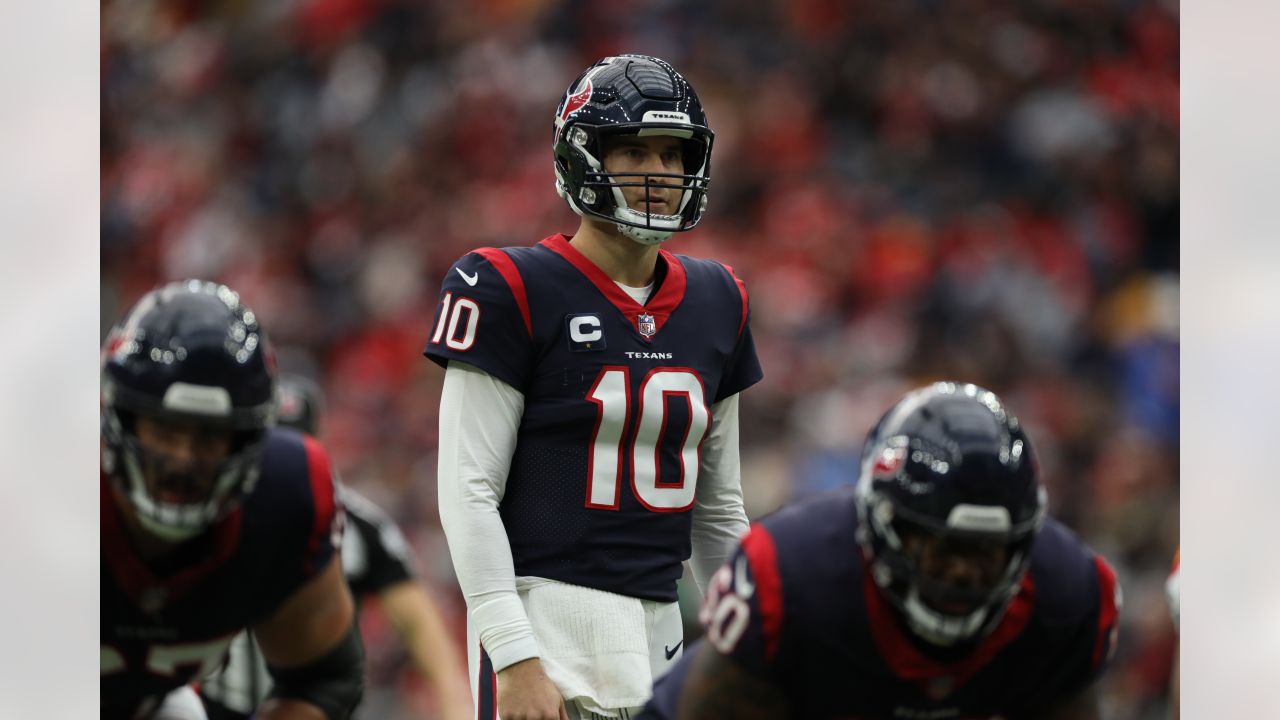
(951, 462)
(191, 354)
(631, 94)
(299, 402)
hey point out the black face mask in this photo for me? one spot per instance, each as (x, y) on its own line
(173, 480)
(951, 599)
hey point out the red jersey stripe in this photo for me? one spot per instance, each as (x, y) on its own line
(1108, 610)
(321, 496)
(507, 268)
(660, 306)
(762, 554)
(742, 290)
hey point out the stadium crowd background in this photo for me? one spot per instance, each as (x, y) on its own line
(912, 191)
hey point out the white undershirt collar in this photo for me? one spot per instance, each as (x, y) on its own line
(640, 295)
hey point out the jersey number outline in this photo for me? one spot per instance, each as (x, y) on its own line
(611, 394)
(168, 659)
(452, 317)
(726, 609)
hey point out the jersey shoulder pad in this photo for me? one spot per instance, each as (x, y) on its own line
(720, 283)
(1068, 576)
(294, 498)
(818, 522)
(1078, 600)
(483, 316)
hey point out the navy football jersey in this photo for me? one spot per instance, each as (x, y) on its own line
(797, 605)
(161, 632)
(617, 399)
(375, 556)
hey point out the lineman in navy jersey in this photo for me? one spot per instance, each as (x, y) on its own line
(588, 422)
(376, 561)
(212, 520)
(936, 588)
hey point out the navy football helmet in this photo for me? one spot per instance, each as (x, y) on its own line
(949, 465)
(300, 403)
(634, 94)
(188, 354)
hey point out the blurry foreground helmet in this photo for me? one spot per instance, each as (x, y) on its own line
(639, 95)
(949, 468)
(300, 403)
(188, 355)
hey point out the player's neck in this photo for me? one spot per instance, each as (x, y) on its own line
(621, 258)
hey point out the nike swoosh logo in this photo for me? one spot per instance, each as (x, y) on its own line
(671, 651)
(471, 279)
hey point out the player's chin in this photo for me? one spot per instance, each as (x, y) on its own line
(655, 208)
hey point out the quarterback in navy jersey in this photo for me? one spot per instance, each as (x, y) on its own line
(213, 520)
(936, 588)
(589, 413)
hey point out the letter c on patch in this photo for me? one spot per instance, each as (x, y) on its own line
(576, 332)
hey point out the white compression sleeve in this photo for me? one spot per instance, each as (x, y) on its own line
(719, 518)
(479, 420)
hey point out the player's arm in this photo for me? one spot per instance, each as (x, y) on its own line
(313, 651)
(418, 623)
(479, 421)
(719, 518)
(717, 687)
(388, 572)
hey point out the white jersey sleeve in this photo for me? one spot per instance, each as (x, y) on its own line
(719, 517)
(479, 420)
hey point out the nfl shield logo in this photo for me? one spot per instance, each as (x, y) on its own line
(647, 326)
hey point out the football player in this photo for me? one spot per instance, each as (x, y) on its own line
(376, 561)
(212, 520)
(935, 588)
(589, 416)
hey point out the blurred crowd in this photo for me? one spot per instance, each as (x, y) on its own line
(971, 189)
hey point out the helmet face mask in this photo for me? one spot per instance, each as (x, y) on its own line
(187, 398)
(631, 95)
(949, 505)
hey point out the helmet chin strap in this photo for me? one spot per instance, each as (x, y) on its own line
(644, 236)
(940, 629)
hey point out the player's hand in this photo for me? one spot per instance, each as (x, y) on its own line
(526, 693)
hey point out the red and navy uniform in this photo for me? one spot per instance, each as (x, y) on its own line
(818, 628)
(160, 632)
(601, 376)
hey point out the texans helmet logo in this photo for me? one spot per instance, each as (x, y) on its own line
(888, 461)
(574, 102)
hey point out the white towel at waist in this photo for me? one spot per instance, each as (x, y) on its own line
(594, 644)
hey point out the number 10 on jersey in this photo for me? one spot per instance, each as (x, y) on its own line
(643, 419)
